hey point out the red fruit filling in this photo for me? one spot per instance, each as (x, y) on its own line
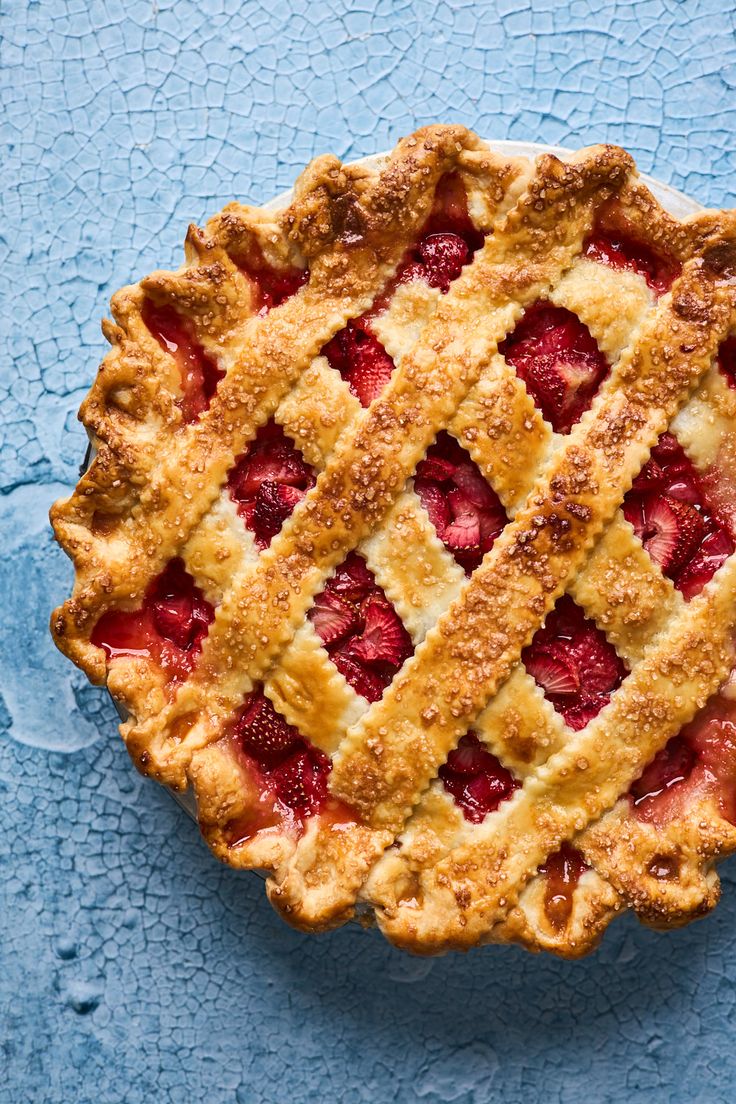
(668, 509)
(290, 773)
(199, 373)
(574, 664)
(558, 359)
(699, 762)
(475, 779)
(465, 511)
(562, 871)
(360, 629)
(448, 241)
(613, 242)
(727, 360)
(168, 628)
(267, 481)
(360, 359)
(271, 286)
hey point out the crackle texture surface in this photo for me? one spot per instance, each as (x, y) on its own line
(134, 968)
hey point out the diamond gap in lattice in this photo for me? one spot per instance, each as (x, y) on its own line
(475, 779)
(270, 286)
(360, 629)
(614, 242)
(559, 361)
(168, 627)
(465, 511)
(200, 374)
(575, 665)
(669, 510)
(286, 773)
(267, 481)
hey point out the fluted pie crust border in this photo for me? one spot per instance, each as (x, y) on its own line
(432, 881)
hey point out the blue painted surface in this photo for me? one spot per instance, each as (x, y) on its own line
(134, 967)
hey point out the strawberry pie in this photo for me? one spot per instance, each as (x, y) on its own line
(408, 544)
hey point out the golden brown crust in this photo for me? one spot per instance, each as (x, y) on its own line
(154, 491)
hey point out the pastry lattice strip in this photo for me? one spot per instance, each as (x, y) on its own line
(506, 312)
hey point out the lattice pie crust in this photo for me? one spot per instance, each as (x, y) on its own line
(568, 845)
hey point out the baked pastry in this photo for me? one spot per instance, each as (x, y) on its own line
(408, 544)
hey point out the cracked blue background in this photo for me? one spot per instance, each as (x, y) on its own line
(134, 967)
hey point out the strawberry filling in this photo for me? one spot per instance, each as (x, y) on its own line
(475, 779)
(465, 511)
(559, 361)
(447, 243)
(267, 482)
(168, 628)
(727, 360)
(667, 506)
(574, 664)
(699, 762)
(562, 872)
(199, 373)
(613, 242)
(290, 773)
(271, 286)
(360, 359)
(360, 629)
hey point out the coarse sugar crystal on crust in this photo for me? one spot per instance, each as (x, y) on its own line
(357, 456)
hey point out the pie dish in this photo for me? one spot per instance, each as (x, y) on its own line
(408, 544)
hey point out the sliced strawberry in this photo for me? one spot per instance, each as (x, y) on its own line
(300, 782)
(278, 463)
(443, 257)
(267, 481)
(363, 681)
(463, 532)
(436, 468)
(668, 506)
(353, 580)
(333, 618)
(580, 654)
(174, 618)
(669, 530)
(361, 360)
(712, 553)
(468, 479)
(558, 360)
(475, 779)
(383, 639)
(554, 675)
(434, 501)
(263, 733)
(465, 511)
(727, 360)
(492, 522)
(370, 374)
(360, 629)
(168, 627)
(274, 504)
